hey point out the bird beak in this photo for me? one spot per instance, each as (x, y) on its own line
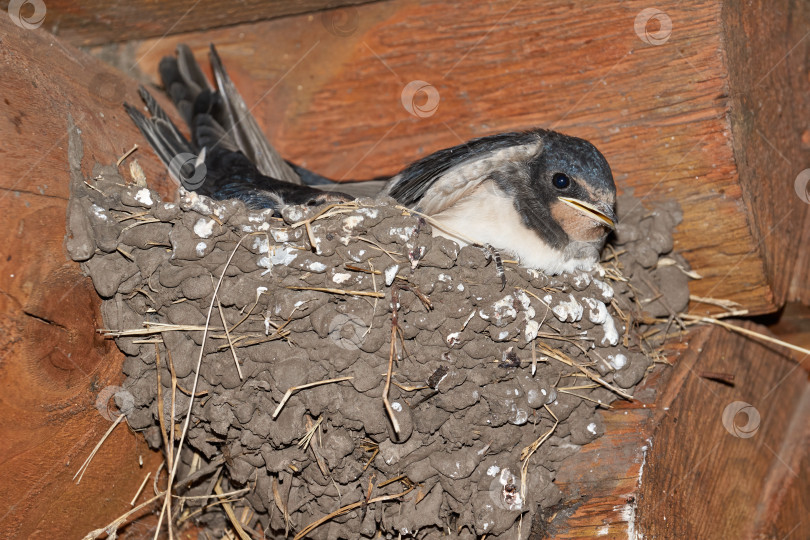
(603, 215)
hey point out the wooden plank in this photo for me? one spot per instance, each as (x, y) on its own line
(668, 468)
(800, 285)
(793, 326)
(53, 364)
(784, 505)
(53, 371)
(98, 21)
(770, 104)
(661, 114)
(704, 478)
(602, 482)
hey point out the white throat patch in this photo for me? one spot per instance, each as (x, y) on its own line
(487, 215)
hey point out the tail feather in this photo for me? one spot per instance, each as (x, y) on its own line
(238, 119)
(207, 129)
(219, 112)
(227, 156)
(182, 92)
(178, 91)
(190, 72)
(161, 133)
(152, 105)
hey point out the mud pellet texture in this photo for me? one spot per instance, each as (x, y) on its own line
(304, 305)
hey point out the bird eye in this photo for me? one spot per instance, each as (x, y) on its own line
(560, 181)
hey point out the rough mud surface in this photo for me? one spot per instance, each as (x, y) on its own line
(467, 391)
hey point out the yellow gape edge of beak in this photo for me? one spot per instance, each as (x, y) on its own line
(589, 210)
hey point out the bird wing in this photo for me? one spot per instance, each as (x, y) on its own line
(161, 133)
(355, 188)
(363, 188)
(441, 179)
(219, 169)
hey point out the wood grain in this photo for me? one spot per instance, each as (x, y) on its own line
(602, 482)
(662, 114)
(53, 364)
(668, 468)
(793, 326)
(770, 107)
(96, 22)
(702, 481)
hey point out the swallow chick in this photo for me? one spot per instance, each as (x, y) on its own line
(542, 196)
(547, 198)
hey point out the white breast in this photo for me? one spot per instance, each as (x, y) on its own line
(488, 216)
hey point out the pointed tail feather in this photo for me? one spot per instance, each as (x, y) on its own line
(239, 120)
(223, 107)
(174, 150)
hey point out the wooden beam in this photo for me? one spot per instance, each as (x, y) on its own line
(96, 22)
(54, 367)
(667, 466)
(769, 108)
(57, 372)
(711, 473)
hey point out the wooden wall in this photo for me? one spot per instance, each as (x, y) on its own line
(53, 364)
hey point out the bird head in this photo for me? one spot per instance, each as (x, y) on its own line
(566, 193)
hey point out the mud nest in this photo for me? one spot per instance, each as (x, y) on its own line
(491, 389)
